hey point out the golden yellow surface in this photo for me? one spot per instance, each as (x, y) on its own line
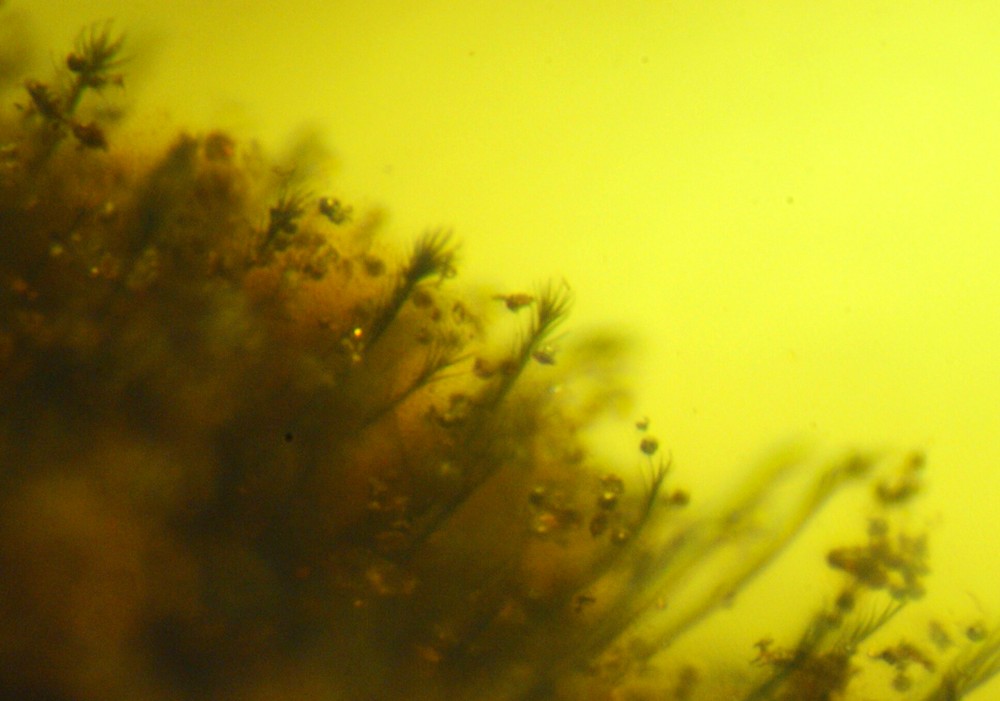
(791, 206)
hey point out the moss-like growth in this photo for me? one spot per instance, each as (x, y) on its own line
(247, 453)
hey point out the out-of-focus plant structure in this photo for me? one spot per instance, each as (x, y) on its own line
(248, 452)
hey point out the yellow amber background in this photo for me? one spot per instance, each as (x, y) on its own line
(793, 207)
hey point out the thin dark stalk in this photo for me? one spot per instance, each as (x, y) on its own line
(969, 671)
(751, 566)
(436, 361)
(863, 628)
(661, 577)
(815, 642)
(551, 309)
(433, 254)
